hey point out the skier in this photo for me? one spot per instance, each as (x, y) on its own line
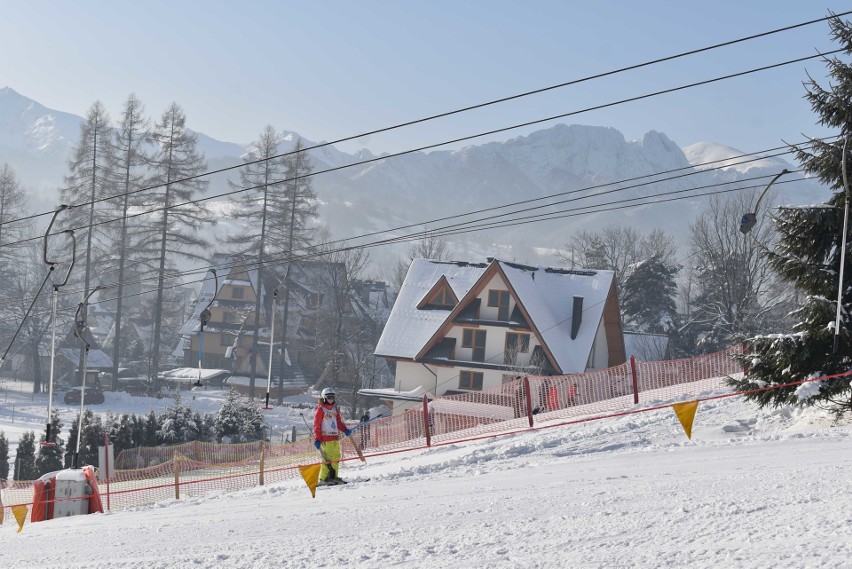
(328, 425)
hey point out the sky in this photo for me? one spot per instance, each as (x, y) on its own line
(751, 489)
(336, 69)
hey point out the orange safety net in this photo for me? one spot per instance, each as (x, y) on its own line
(146, 475)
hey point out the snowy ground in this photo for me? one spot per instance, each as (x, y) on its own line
(753, 489)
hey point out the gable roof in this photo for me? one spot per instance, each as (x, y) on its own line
(408, 329)
(545, 297)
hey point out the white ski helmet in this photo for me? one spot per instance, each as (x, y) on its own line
(327, 392)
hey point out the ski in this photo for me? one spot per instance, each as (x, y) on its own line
(347, 483)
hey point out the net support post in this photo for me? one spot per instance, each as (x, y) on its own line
(528, 399)
(426, 428)
(177, 476)
(262, 457)
(635, 380)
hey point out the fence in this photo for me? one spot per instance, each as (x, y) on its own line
(147, 475)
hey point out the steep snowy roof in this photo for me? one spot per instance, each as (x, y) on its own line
(546, 294)
(408, 328)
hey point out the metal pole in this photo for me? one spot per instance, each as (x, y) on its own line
(79, 329)
(204, 318)
(271, 344)
(842, 247)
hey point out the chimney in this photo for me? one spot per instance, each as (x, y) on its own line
(576, 316)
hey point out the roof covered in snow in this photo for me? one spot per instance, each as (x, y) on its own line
(545, 293)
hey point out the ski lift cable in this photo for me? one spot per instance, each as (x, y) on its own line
(478, 106)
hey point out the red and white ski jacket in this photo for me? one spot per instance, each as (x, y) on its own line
(328, 424)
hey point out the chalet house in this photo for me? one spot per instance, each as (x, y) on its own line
(228, 335)
(460, 327)
(319, 301)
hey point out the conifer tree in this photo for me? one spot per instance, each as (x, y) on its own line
(89, 181)
(92, 438)
(254, 208)
(240, 420)
(649, 296)
(121, 433)
(173, 229)
(151, 437)
(808, 257)
(25, 468)
(4, 457)
(292, 229)
(50, 456)
(130, 139)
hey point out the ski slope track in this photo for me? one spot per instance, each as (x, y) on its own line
(753, 489)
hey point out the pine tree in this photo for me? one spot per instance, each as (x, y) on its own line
(649, 297)
(173, 231)
(90, 180)
(240, 420)
(25, 468)
(254, 208)
(808, 257)
(151, 436)
(177, 424)
(291, 229)
(121, 433)
(4, 458)
(91, 439)
(50, 457)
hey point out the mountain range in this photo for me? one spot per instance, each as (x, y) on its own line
(577, 162)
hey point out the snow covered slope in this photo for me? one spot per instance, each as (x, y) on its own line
(753, 489)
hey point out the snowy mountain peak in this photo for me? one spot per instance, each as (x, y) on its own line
(705, 155)
(29, 126)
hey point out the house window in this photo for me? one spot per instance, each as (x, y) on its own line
(226, 340)
(230, 318)
(237, 293)
(500, 299)
(443, 298)
(470, 380)
(475, 339)
(517, 343)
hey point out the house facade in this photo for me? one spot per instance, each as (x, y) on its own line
(461, 327)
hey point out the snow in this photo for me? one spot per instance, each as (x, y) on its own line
(752, 489)
(706, 155)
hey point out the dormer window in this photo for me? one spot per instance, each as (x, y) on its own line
(237, 292)
(440, 297)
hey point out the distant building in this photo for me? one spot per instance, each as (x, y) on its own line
(460, 327)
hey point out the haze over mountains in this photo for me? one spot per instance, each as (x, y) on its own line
(415, 188)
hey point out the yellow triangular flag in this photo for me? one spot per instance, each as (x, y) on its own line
(311, 475)
(686, 414)
(20, 515)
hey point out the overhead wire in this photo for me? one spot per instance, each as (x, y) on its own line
(472, 107)
(273, 260)
(432, 146)
(727, 162)
(529, 123)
